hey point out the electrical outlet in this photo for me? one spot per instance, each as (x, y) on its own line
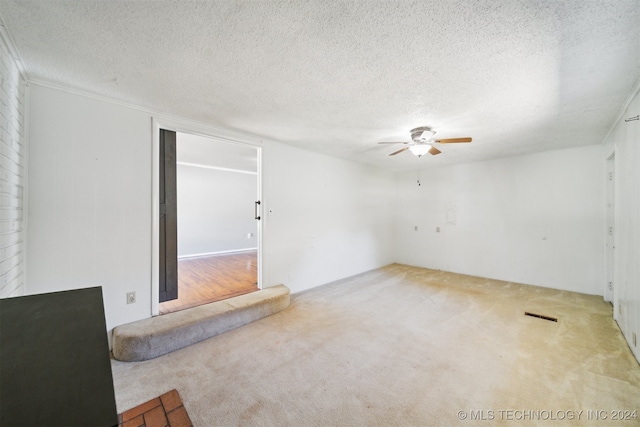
(131, 297)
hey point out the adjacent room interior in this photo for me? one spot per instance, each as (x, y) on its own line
(403, 213)
(217, 234)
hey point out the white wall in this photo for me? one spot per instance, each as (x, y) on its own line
(90, 200)
(325, 218)
(13, 161)
(90, 206)
(536, 219)
(215, 210)
(625, 141)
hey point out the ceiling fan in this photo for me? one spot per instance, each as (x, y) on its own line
(422, 142)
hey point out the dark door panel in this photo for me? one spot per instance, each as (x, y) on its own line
(168, 217)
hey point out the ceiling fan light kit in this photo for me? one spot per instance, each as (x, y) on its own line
(422, 142)
(420, 150)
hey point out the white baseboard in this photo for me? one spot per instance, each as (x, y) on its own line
(233, 251)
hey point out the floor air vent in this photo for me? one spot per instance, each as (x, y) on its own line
(541, 316)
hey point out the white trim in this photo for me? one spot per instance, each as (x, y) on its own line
(627, 102)
(198, 165)
(155, 217)
(260, 223)
(609, 220)
(229, 252)
(25, 189)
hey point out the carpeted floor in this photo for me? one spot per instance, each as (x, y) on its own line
(405, 346)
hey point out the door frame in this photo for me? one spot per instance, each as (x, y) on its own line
(610, 230)
(221, 135)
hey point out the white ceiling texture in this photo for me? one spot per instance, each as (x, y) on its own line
(337, 77)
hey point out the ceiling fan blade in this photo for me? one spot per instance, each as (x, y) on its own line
(399, 151)
(395, 142)
(453, 140)
(433, 151)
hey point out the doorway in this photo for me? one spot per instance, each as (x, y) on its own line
(217, 186)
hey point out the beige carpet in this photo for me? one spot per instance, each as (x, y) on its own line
(405, 346)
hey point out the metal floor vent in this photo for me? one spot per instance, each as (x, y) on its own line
(541, 316)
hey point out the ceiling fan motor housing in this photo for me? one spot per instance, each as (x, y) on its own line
(422, 134)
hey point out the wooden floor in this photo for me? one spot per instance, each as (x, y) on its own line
(213, 278)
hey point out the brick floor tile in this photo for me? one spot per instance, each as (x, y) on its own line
(139, 410)
(171, 400)
(164, 411)
(156, 418)
(134, 422)
(179, 418)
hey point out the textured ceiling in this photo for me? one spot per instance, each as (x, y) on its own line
(339, 76)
